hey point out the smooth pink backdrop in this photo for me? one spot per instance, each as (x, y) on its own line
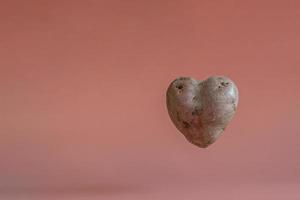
(82, 98)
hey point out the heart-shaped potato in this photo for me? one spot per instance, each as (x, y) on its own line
(201, 110)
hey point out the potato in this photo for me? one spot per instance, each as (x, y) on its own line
(201, 110)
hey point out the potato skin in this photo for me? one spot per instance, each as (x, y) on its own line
(201, 110)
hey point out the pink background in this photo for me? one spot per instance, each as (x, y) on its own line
(82, 99)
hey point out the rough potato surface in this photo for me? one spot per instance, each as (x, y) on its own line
(201, 110)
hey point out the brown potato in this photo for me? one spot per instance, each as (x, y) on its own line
(201, 110)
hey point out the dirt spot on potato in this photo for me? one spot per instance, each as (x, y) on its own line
(179, 87)
(234, 106)
(178, 116)
(186, 124)
(197, 111)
